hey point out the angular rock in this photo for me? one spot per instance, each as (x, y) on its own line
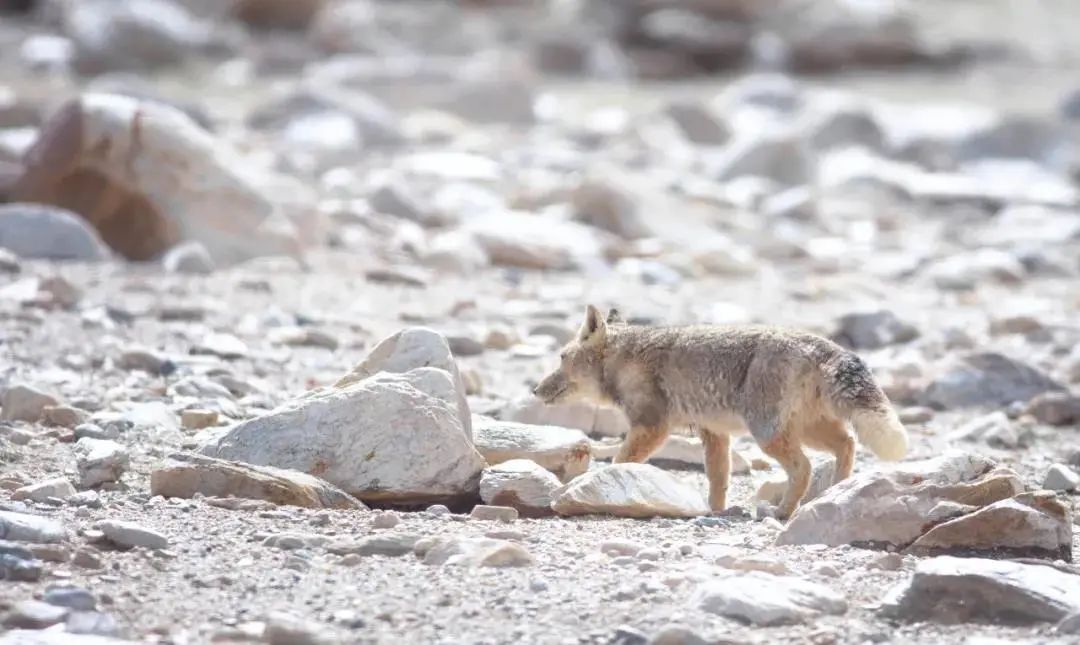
(22, 402)
(130, 534)
(1028, 525)
(629, 490)
(161, 180)
(388, 544)
(994, 429)
(955, 590)
(139, 34)
(763, 599)
(872, 330)
(39, 231)
(184, 475)
(1062, 478)
(478, 552)
(897, 505)
(534, 241)
(563, 451)
(409, 349)
(403, 432)
(987, 379)
(99, 461)
(59, 488)
(198, 419)
(520, 484)
(1055, 408)
(21, 527)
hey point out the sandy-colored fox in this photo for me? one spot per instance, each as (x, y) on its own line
(786, 388)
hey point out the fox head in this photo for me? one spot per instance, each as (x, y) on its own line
(580, 371)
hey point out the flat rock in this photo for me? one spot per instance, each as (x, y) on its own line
(39, 231)
(388, 544)
(404, 435)
(130, 534)
(987, 379)
(59, 488)
(21, 402)
(954, 590)
(520, 484)
(1029, 524)
(533, 241)
(897, 505)
(163, 182)
(185, 475)
(563, 451)
(872, 330)
(99, 461)
(34, 614)
(22, 527)
(763, 599)
(409, 349)
(478, 552)
(629, 490)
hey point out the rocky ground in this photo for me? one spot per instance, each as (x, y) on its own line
(275, 287)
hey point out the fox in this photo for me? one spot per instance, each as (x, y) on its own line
(786, 388)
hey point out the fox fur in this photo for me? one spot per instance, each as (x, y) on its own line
(788, 389)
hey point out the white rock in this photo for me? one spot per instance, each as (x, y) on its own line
(190, 258)
(409, 349)
(995, 429)
(763, 599)
(520, 484)
(955, 590)
(777, 156)
(22, 402)
(478, 552)
(59, 488)
(563, 451)
(629, 490)
(392, 437)
(23, 527)
(1061, 478)
(130, 534)
(222, 345)
(895, 505)
(534, 241)
(46, 232)
(99, 461)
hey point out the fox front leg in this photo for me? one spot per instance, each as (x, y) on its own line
(640, 443)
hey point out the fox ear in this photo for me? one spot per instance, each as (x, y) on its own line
(613, 317)
(594, 329)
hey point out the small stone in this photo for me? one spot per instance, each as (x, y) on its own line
(493, 513)
(386, 520)
(222, 345)
(193, 419)
(286, 629)
(388, 544)
(94, 431)
(1062, 478)
(130, 534)
(616, 548)
(675, 634)
(100, 461)
(59, 488)
(888, 562)
(75, 598)
(438, 510)
(1055, 408)
(478, 552)
(22, 527)
(87, 558)
(22, 402)
(189, 258)
(34, 614)
(93, 623)
(64, 416)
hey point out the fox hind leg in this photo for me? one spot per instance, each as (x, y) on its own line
(831, 435)
(786, 448)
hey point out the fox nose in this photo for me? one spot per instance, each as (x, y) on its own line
(533, 387)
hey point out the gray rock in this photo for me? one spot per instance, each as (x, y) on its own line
(287, 629)
(520, 484)
(605, 204)
(842, 122)
(698, 124)
(994, 429)
(763, 599)
(39, 231)
(1071, 623)
(1062, 478)
(190, 258)
(565, 452)
(478, 552)
(676, 634)
(92, 623)
(58, 488)
(33, 614)
(99, 461)
(490, 102)
(987, 379)
(955, 590)
(1055, 408)
(780, 157)
(388, 544)
(17, 563)
(22, 527)
(22, 402)
(130, 534)
(94, 431)
(74, 598)
(872, 330)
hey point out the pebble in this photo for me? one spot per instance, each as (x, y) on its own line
(1061, 478)
(494, 513)
(93, 623)
(94, 431)
(676, 634)
(195, 419)
(58, 488)
(438, 510)
(87, 558)
(386, 520)
(888, 562)
(130, 534)
(75, 598)
(618, 548)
